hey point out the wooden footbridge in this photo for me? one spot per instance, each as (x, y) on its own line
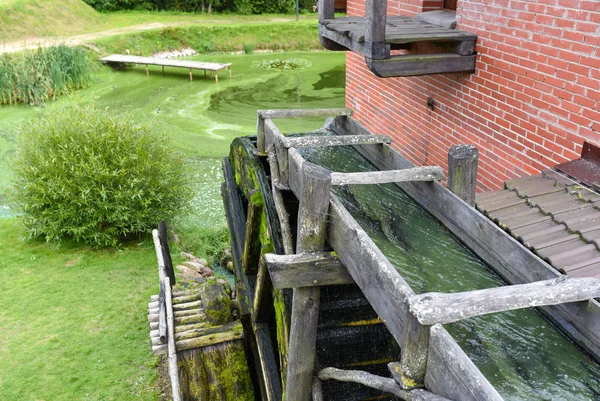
(121, 59)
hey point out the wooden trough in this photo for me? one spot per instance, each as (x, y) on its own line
(313, 285)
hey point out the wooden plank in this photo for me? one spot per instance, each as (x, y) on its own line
(421, 64)
(284, 218)
(263, 301)
(322, 141)
(450, 372)
(172, 352)
(507, 257)
(427, 173)
(274, 138)
(462, 172)
(268, 363)
(206, 331)
(236, 333)
(306, 270)
(312, 217)
(251, 254)
(432, 308)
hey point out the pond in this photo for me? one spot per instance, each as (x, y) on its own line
(200, 116)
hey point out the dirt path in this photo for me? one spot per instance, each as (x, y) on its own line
(34, 42)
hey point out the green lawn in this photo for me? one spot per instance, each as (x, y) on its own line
(73, 321)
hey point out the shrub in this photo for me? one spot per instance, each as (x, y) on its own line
(94, 176)
(249, 48)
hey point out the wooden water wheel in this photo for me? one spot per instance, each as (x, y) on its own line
(350, 335)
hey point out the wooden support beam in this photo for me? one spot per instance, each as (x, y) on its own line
(380, 383)
(162, 273)
(312, 217)
(427, 173)
(263, 301)
(284, 218)
(376, 15)
(322, 141)
(413, 357)
(462, 172)
(421, 64)
(172, 352)
(326, 9)
(268, 364)
(432, 308)
(251, 254)
(306, 270)
(273, 138)
(166, 252)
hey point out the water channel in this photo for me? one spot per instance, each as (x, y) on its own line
(519, 352)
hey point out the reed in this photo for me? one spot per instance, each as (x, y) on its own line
(34, 76)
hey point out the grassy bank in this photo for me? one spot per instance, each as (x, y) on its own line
(74, 321)
(25, 19)
(301, 35)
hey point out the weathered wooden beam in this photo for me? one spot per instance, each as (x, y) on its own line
(421, 64)
(462, 172)
(274, 138)
(312, 217)
(166, 253)
(268, 363)
(512, 261)
(380, 383)
(235, 333)
(284, 218)
(376, 14)
(172, 352)
(432, 308)
(263, 301)
(413, 357)
(427, 173)
(251, 254)
(323, 141)
(326, 9)
(162, 316)
(306, 270)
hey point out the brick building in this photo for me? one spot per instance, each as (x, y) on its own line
(533, 100)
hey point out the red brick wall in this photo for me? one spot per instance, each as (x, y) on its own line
(533, 100)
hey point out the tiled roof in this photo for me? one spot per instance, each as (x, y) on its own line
(552, 214)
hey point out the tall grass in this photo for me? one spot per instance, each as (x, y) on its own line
(32, 77)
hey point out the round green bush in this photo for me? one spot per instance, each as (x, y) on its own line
(95, 176)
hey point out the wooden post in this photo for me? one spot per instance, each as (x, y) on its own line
(147, 72)
(413, 361)
(326, 9)
(216, 76)
(166, 252)
(376, 17)
(229, 69)
(312, 215)
(173, 368)
(163, 68)
(191, 79)
(462, 172)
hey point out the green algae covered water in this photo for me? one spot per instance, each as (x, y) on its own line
(519, 352)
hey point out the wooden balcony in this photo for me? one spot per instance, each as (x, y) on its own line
(377, 35)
